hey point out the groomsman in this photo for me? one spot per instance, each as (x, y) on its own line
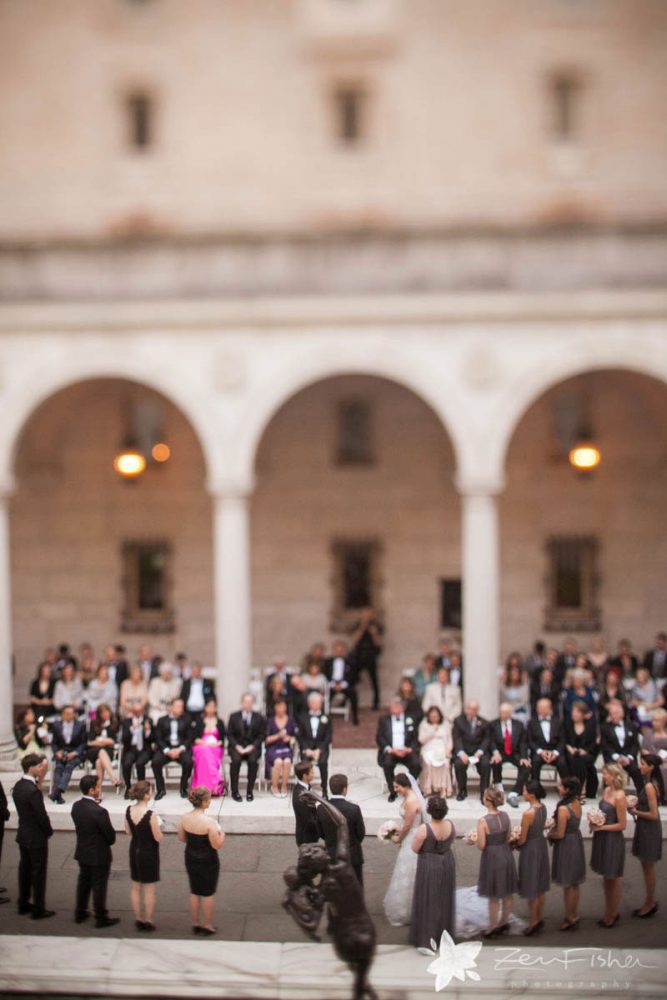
(68, 745)
(355, 824)
(545, 739)
(94, 837)
(471, 738)
(245, 734)
(173, 745)
(136, 737)
(32, 836)
(620, 743)
(509, 745)
(397, 743)
(314, 737)
(306, 830)
(340, 673)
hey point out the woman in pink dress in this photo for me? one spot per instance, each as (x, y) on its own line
(208, 750)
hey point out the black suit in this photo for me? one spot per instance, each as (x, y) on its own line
(539, 690)
(242, 735)
(32, 836)
(349, 690)
(321, 742)
(77, 745)
(163, 744)
(208, 691)
(121, 671)
(519, 752)
(356, 830)
(657, 670)
(471, 739)
(306, 830)
(388, 761)
(565, 662)
(94, 837)
(133, 755)
(582, 766)
(538, 741)
(610, 746)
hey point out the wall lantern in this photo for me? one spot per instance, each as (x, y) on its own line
(129, 463)
(584, 456)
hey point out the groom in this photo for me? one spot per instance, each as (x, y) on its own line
(396, 740)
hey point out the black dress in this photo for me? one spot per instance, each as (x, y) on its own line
(202, 864)
(144, 850)
(647, 839)
(434, 898)
(108, 732)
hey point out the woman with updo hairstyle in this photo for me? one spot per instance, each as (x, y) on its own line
(568, 864)
(497, 874)
(143, 825)
(434, 897)
(647, 839)
(534, 856)
(608, 851)
(203, 838)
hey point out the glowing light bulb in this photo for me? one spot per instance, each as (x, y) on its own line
(129, 463)
(161, 452)
(585, 457)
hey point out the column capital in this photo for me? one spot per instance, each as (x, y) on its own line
(479, 485)
(231, 489)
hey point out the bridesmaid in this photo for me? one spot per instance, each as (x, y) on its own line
(608, 853)
(143, 825)
(647, 840)
(534, 856)
(568, 868)
(497, 873)
(433, 901)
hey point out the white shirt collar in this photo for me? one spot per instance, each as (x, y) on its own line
(29, 777)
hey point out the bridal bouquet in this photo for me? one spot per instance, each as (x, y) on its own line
(514, 836)
(549, 826)
(388, 832)
(632, 801)
(596, 817)
(471, 838)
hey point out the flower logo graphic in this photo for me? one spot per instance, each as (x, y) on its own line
(453, 962)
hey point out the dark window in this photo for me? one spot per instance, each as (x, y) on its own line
(356, 567)
(140, 120)
(450, 604)
(356, 581)
(151, 580)
(348, 106)
(147, 584)
(572, 583)
(354, 433)
(565, 99)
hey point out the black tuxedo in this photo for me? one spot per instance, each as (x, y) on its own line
(77, 745)
(208, 690)
(132, 755)
(32, 836)
(321, 742)
(657, 670)
(163, 744)
(121, 671)
(537, 741)
(539, 690)
(388, 761)
(94, 837)
(356, 832)
(582, 766)
(610, 747)
(306, 830)
(565, 662)
(519, 752)
(471, 739)
(242, 735)
(349, 692)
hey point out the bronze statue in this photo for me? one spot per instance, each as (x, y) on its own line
(350, 925)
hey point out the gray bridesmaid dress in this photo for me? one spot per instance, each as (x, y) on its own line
(497, 872)
(647, 839)
(434, 898)
(568, 865)
(608, 852)
(534, 858)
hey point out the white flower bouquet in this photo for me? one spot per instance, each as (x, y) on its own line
(632, 801)
(388, 832)
(596, 817)
(471, 838)
(515, 833)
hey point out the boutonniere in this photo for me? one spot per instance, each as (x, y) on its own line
(409, 722)
(323, 719)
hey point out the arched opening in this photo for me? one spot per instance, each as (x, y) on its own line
(354, 502)
(583, 553)
(96, 558)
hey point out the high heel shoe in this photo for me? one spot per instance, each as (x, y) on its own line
(529, 931)
(603, 923)
(569, 925)
(503, 928)
(649, 913)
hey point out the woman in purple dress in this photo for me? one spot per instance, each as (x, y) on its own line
(280, 729)
(534, 856)
(568, 868)
(208, 750)
(497, 872)
(647, 840)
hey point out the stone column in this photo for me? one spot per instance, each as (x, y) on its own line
(8, 755)
(231, 585)
(481, 594)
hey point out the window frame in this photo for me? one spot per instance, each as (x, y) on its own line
(586, 617)
(133, 617)
(343, 618)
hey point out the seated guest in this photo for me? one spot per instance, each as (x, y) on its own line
(509, 745)
(340, 674)
(598, 657)
(444, 657)
(435, 740)
(625, 663)
(314, 736)
(149, 664)
(544, 686)
(42, 690)
(137, 742)
(116, 665)
(644, 696)
(581, 746)
(306, 830)
(579, 690)
(535, 660)
(208, 749)
(654, 741)
(196, 691)
(163, 690)
(424, 675)
(280, 685)
(312, 678)
(94, 837)
(172, 742)
(545, 739)
(133, 691)
(182, 665)
(655, 659)
(442, 694)
(456, 669)
(68, 691)
(514, 688)
(30, 736)
(246, 735)
(101, 690)
(280, 731)
(68, 745)
(316, 654)
(406, 692)
(611, 689)
(328, 830)
(619, 743)
(396, 740)
(566, 661)
(87, 669)
(101, 742)
(472, 739)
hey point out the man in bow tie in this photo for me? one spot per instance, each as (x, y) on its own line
(397, 743)
(545, 739)
(136, 737)
(620, 743)
(314, 737)
(471, 746)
